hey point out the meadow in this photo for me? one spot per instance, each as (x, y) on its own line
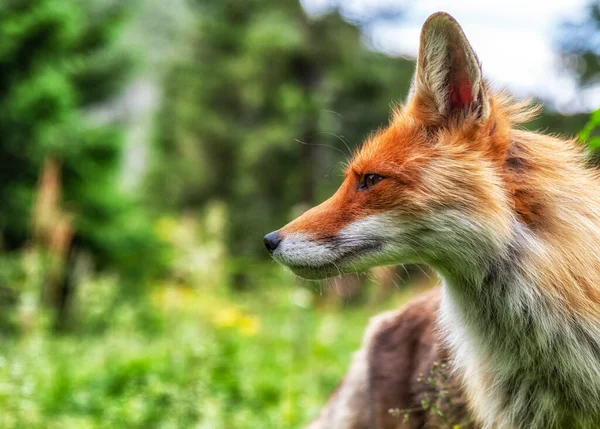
(146, 147)
(191, 354)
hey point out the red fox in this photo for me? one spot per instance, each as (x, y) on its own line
(509, 219)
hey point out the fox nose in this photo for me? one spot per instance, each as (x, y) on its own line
(272, 240)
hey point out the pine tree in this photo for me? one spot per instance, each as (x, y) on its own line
(58, 61)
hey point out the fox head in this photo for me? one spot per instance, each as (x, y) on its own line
(430, 188)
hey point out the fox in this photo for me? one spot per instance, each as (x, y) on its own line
(509, 220)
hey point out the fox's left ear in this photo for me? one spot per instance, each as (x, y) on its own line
(448, 79)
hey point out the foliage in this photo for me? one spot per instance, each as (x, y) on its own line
(179, 358)
(589, 134)
(59, 62)
(439, 400)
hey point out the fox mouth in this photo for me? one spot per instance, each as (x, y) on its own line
(348, 262)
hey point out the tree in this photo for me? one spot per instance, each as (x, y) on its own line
(260, 108)
(58, 60)
(580, 45)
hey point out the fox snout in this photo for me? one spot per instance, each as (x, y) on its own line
(314, 253)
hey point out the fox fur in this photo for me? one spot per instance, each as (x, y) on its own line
(509, 219)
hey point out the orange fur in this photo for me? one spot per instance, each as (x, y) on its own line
(402, 151)
(511, 221)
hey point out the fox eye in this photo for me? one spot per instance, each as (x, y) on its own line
(368, 181)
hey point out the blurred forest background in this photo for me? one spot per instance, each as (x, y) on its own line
(145, 149)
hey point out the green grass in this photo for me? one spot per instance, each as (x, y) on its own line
(186, 359)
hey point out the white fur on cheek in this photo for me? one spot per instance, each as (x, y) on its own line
(360, 243)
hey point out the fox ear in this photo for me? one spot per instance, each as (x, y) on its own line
(448, 79)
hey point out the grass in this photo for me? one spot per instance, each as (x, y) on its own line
(183, 358)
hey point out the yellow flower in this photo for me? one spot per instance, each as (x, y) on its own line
(249, 325)
(233, 317)
(228, 317)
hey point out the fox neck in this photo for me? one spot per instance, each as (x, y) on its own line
(527, 358)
